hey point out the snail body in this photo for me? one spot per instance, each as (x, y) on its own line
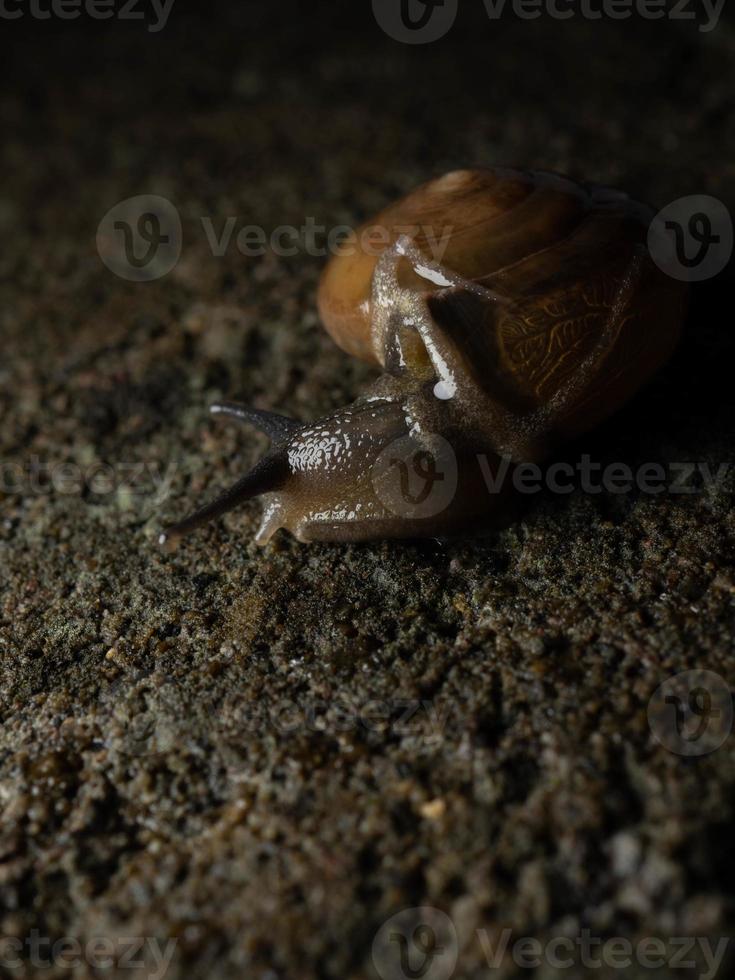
(509, 311)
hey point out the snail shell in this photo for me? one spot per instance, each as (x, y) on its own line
(509, 310)
(557, 257)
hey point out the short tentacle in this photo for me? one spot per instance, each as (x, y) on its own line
(276, 427)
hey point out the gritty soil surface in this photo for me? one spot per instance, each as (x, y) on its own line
(265, 753)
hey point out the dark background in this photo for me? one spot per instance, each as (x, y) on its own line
(149, 784)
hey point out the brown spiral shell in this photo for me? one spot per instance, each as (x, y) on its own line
(558, 251)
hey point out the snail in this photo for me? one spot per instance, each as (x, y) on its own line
(542, 315)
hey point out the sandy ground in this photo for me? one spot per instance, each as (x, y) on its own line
(264, 754)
